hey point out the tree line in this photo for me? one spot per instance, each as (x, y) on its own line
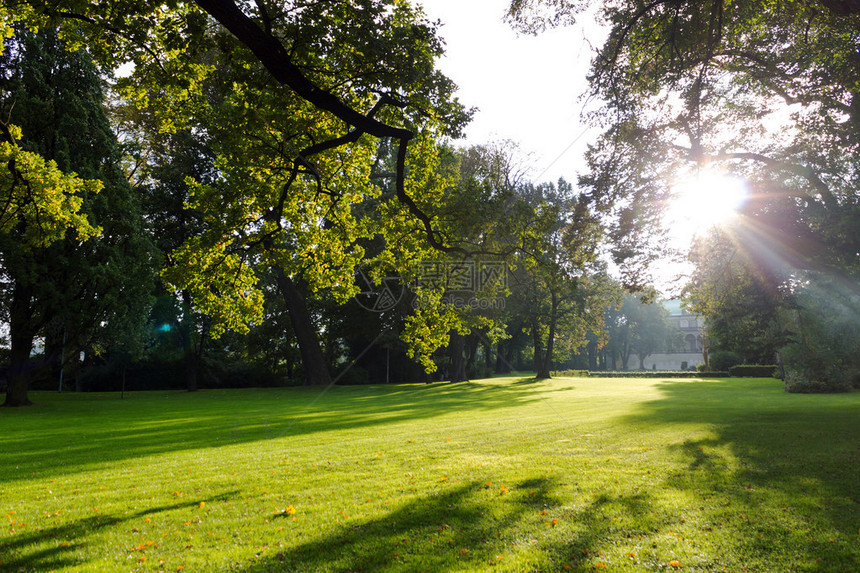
(229, 187)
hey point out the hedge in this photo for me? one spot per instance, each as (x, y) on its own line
(639, 374)
(755, 371)
(571, 373)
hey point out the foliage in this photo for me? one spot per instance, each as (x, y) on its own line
(723, 359)
(767, 91)
(562, 286)
(754, 371)
(654, 374)
(571, 374)
(85, 292)
(39, 198)
(823, 356)
(296, 119)
(757, 307)
(637, 328)
(740, 292)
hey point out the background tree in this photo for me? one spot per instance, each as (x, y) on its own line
(556, 270)
(636, 329)
(741, 302)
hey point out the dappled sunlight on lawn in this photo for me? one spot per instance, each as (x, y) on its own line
(508, 474)
(774, 463)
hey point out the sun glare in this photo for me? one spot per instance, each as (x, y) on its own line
(702, 202)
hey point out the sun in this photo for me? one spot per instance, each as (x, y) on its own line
(701, 202)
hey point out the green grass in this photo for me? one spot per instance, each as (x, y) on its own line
(505, 474)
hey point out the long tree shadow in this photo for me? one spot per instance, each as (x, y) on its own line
(458, 530)
(72, 432)
(54, 548)
(770, 453)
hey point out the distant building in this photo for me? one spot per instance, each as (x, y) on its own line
(689, 348)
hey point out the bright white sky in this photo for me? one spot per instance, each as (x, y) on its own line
(526, 87)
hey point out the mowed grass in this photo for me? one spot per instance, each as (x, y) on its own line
(504, 474)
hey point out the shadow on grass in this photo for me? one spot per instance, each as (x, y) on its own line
(463, 529)
(52, 548)
(783, 468)
(38, 441)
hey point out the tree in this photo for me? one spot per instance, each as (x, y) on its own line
(313, 87)
(762, 309)
(635, 328)
(87, 291)
(739, 294)
(561, 280)
(710, 75)
(170, 159)
(766, 91)
(821, 356)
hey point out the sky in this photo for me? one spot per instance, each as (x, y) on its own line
(527, 88)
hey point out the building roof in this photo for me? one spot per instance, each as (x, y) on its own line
(674, 307)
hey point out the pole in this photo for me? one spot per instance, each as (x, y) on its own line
(62, 358)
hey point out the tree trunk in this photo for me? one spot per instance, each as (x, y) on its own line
(316, 369)
(456, 346)
(545, 366)
(192, 352)
(538, 346)
(472, 348)
(502, 365)
(54, 349)
(21, 338)
(511, 350)
(593, 356)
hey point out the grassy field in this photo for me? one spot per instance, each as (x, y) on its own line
(506, 474)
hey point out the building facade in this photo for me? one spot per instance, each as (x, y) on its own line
(689, 348)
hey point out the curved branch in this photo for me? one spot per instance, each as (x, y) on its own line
(275, 58)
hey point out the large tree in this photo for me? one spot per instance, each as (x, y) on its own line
(75, 293)
(300, 96)
(767, 90)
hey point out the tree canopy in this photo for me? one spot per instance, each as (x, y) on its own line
(767, 90)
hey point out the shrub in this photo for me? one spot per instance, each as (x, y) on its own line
(571, 373)
(755, 371)
(797, 382)
(814, 369)
(722, 360)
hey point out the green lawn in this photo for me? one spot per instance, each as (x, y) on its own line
(505, 474)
